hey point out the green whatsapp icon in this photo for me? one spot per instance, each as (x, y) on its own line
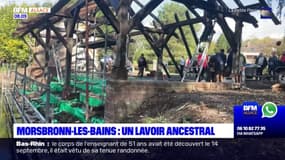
(269, 110)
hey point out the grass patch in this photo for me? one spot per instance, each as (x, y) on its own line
(3, 130)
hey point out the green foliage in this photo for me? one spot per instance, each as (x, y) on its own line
(222, 43)
(212, 48)
(3, 131)
(166, 15)
(11, 49)
(47, 4)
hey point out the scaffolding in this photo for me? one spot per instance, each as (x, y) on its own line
(65, 93)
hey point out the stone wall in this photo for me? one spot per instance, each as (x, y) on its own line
(124, 97)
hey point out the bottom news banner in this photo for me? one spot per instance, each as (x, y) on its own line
(136, 141)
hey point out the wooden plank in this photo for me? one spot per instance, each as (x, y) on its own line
(99, 44)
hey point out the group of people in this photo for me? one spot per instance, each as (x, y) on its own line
(213, 68)
(273, 62)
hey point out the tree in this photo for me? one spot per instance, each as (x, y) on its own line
(212, 48)
(47, 4)
(142, 47)
(222, 43)
(11, 49)
(166, 15)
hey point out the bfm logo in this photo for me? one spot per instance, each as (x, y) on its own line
(250, 108)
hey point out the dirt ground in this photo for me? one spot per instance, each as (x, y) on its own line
(200, 107)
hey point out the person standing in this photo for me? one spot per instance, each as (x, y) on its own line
(182, 64)
(220, 66)
(228, 69)
(142, 64)
(272, 63)
(262, 62)
(102, 64)
(239, 78)
(212, 69)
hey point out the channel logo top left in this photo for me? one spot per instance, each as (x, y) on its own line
(22, 13)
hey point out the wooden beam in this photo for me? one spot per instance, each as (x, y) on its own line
(227, 30)
(192, 29)
(108, 14)
(42, 21)
(151, 14)
(223, 4)
(173, 60)
(148, 8)
(167, 38)
(183, 23)
(39, 40)
(255, 6)
(68, 43)
(48, 110)
(274, 18)
(208, 30)
(236, 50)
(156, 50)
(216, 9)
(99, 44)
(23, 28)
(183, 37)
(246, 14)
(239, 3)
(71, 28)
(153, 30)
(59, 36)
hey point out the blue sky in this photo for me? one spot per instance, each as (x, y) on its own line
(266, 27)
